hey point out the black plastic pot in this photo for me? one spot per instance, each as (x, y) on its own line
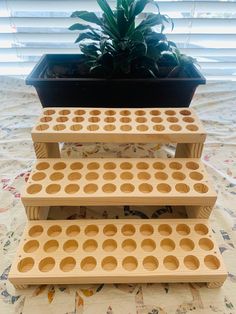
(92, 92)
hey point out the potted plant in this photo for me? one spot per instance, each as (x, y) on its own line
(124, 62)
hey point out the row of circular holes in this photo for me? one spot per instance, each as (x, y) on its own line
(96, 112)
(109, 263)
(91, 176)
(111, 188)
(112, 127)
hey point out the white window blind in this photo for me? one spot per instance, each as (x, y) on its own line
(205, 30)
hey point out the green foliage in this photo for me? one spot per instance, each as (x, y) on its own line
(118, 46)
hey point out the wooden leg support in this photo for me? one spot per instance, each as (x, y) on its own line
(18, 287)
(37, 212)
(213, 285)
(47, 150)
(203, 212)
(189, 150)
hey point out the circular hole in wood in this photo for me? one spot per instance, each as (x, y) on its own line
(212, 262)
(171, 262)
(42, 166)
(59, 127)
(159, 165)
(165, 229)
(91, 176)
(192, 165)
(51, 246)
(47, 264)
(110, 119)
(89, 245)
(67, 264)
(155, 112)
(110, 112)
(163, 188)
(126, 175)
(170, 112)
(109, 165)
(109, 263)
(206, 244)
(109, 176)
(187, 244)
(158, 127)
(54, 231)
(109, 245)
(183, 229)
(91, 230)
(127, 188)
(31, 246)
(142, 127)
(76, 127)
(95, 112)
(53, 188)
(64, 112)
(146, 230)
(94, 119)
(157, 119)
(161, 175)
(175, 165)
(45, 119)
(72, 188)
(93, 166)
(172, 119)
(73, 230)
(191, 262)
(110, 230)
(42, 127)
(188, 119)
(88, 263)
(125, 127)
(59, 166)
(128, 230)
(130, 263)
(78, 119)
(178, 175)
(79, 112)
(38, 176)
(175, 127)
(62, 119)
(76, 166)
(90, 188)
(109, 127)
(167, 244)
(74, 176)
(191, 127)
(129, 245)
(70, 246)
(141, 120)
(109, 188)
(200, 188)
(182, 188)
(140, 112)
(142, 165)
(150, 263)
(35, 231)
(34, 188)
(145, 188)
(25, 265)
(148, 245)
(93, 127)
(197, 176)
(125, 113)
(126, 165)
(144, 176)
(49, 112)
(201, 229)
(185, 112)
(56, 176)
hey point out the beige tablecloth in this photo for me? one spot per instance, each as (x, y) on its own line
(216, 105)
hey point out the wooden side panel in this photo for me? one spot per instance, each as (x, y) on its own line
(37, 212)
(189, 150)
(199, 211)
(47, 150)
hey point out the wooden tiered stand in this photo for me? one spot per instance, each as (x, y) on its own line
(118, 251)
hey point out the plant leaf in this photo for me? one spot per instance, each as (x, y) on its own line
(137, 7)
(108, 16)
(87, 16)
(79, 27)
(86, 35)
(122, 22)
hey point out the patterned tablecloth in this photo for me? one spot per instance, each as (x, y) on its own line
(216, 105)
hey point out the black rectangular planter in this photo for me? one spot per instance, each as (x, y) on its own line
(92, 92)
